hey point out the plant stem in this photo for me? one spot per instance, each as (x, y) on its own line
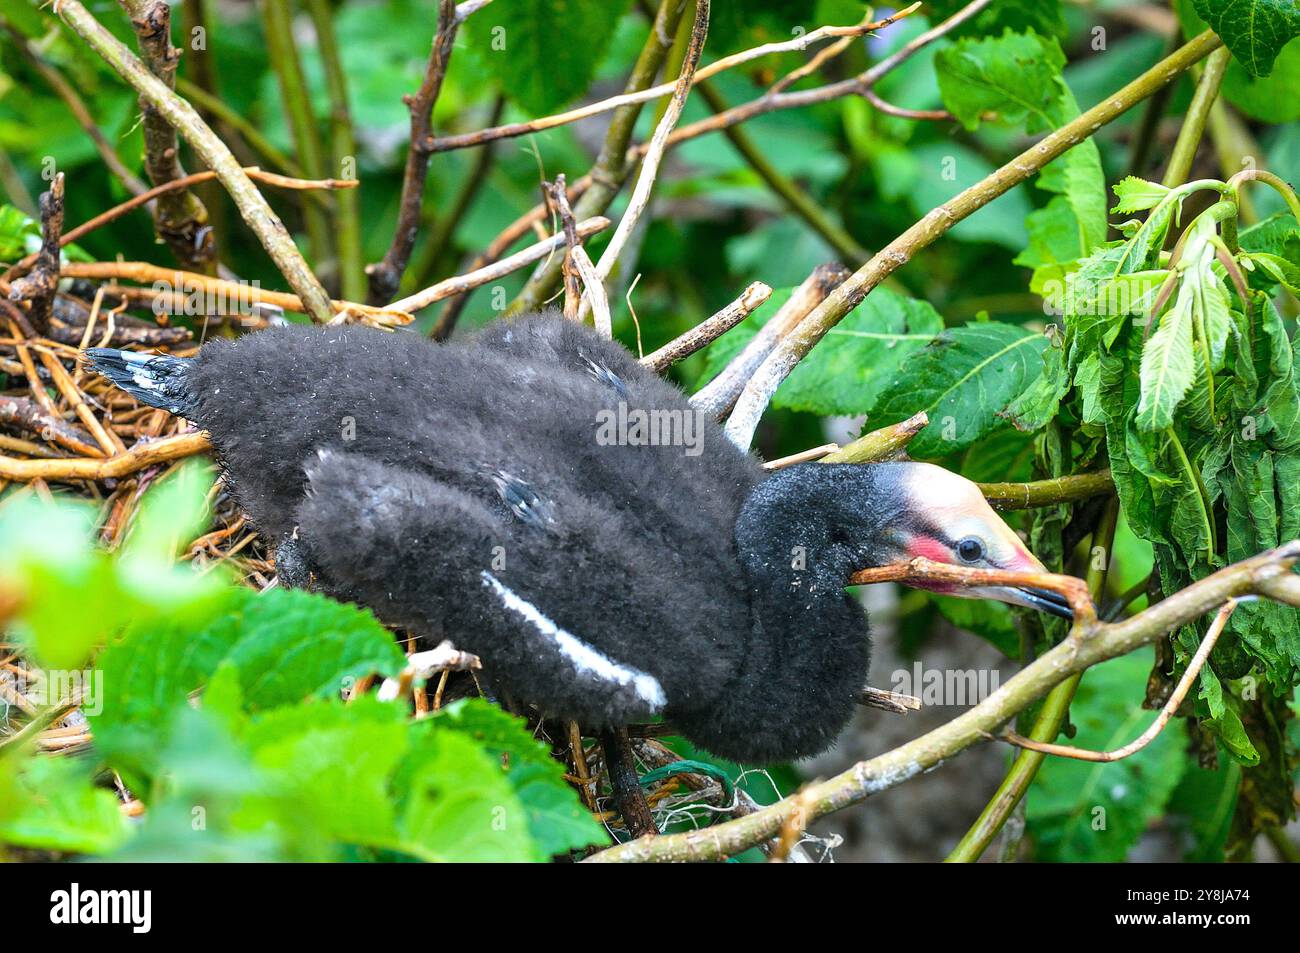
(1189, 136)
(1046, 727)
(282, 51)
(344, 146)
(220, 110)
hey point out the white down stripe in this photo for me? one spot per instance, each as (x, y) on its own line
(585, 659)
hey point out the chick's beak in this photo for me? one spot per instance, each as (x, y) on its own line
(1044, 600)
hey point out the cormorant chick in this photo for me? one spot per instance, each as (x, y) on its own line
(539, 497)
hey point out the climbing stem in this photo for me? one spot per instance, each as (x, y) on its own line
(1050, 717)
(1279, 184)
(1189, 136)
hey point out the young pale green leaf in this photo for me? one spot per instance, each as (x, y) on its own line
(1089, 812)
(1167, 368)
(846, 372)
(963, 380)
(1254, 30)
(1133, 194)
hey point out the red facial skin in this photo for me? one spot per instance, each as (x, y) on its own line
(934, 551)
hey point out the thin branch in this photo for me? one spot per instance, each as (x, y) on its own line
(72, 99)
(557, 196)
(491, 272)
(845, 35)
(231, 291)
(252, 136)
(885, 443)
(1066, 489)
(385, 276)
(772, 101)
(117, 211)
(628, 796)
(179, 216)
(1166, 713)
(708, 330)
(882, 700)
(261, 218)
(614, 162)
(1089, 643)
(758, 392)
(1189, 134)
(39, 287)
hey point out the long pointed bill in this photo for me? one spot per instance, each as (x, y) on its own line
(1044, 600)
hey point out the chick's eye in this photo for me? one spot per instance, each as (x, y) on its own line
(970, 549)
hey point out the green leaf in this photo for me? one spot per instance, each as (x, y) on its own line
(1133, 194)
(964, 379)
(1167, 369)
(527, 47)
(58, 808)
(1014, 75)
(845, 373)
(459, 804)
(1254, 30)
(1087, 812)
(1201, 809)
(992, 621)
(278, 647)
(556, 818)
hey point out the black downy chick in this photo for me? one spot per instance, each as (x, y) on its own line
(550, 505)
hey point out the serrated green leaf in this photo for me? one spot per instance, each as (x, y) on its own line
(556, 818)
(845, 373)
(1013, 75)
(1167, 369)
(526, 46)
(1254, 30)
(963, 380)
(1133, 194)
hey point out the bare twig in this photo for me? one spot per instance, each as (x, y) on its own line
(38, 287)
(716, 397)
(886, 443)
(491, 272)
(895, 702)
(1157, 726)
(658, 142)
(1066, 489)
(386, 275)
(628, 796)
(843, 34)
(179, 216)
(708, 330)
(137, 458)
